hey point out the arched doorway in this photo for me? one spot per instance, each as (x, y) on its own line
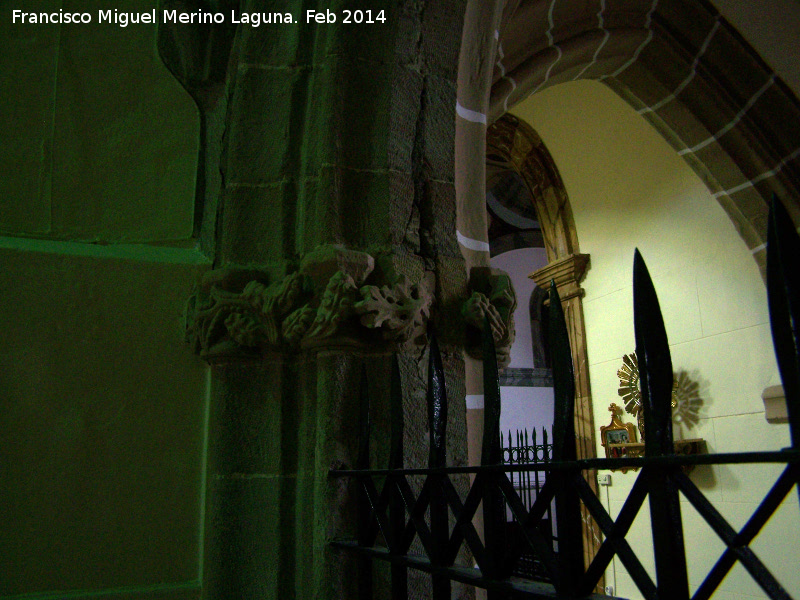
(517, 248)
(512, 146)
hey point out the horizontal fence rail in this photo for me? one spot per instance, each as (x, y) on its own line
(391, 515)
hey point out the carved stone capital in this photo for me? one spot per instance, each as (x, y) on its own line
(568, 272)
(334, 298)
(492, 296)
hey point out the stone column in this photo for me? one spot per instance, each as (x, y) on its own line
(335, 247)
(476, 64)
(568, 272)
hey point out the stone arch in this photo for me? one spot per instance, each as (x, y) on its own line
(679, 63)
(513, 144)
(685, 69)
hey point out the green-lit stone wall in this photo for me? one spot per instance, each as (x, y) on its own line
(99, 142)
(102, 414)
(102, 409)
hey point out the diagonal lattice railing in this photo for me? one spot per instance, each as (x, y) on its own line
(391, 515)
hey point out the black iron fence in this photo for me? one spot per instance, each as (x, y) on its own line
(392, 516)
(524, 448)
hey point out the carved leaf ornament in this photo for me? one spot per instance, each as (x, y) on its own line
(297, 311)
(396, 310)
(492, 298)
(334, 297)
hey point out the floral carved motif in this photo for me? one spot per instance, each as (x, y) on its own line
(336, 305)
(329, 299)
(399, 310)
(222, 319)
(493, 300)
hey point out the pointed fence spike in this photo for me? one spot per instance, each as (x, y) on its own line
(362, 462)
(437, 458)
(490, 452)
(396, 416)
(655, 381)
(494, 508)
(655, 363)
(397, 513)
(563, 380)
(437, 407)
(783, 292)
(570, 542)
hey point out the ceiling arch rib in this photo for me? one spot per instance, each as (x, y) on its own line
(686, 70)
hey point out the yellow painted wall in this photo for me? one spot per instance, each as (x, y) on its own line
(629, 189)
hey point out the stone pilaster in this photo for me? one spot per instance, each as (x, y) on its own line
(335, 247)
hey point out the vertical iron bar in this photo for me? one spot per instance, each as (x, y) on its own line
(516, 459)
(568, 510)
(525, 476)
(536, 461)
(546, 457)
(509, 461)
(437, 458)
(494, 517)
(783, 291)
(363, 504)
(518, 484)
(397, 512)
(655, 379)
(519, 459)
(533, 494)
(546, 445)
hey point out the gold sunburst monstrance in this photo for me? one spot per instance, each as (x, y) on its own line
(630, 392)
(629, 384)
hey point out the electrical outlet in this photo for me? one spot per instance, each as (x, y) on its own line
(604, 479)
